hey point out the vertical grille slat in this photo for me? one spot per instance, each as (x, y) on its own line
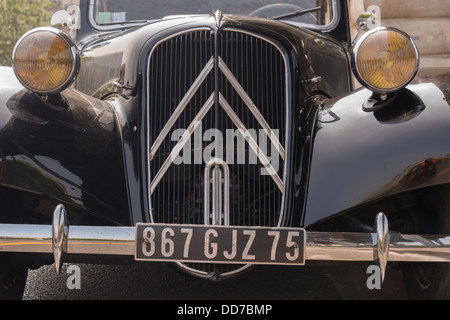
(260, 69)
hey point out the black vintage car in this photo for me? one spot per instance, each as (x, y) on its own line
(221, 138)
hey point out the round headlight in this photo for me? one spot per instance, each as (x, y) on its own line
(45, 60)
(385, 60)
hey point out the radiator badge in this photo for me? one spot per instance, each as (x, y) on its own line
(217, 193)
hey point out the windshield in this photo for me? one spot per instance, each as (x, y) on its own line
(311, 12)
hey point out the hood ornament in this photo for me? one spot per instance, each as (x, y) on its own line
(218, 16)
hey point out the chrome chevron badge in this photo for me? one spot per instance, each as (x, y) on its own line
(260, 154)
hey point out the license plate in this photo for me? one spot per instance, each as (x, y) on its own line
(220, 244)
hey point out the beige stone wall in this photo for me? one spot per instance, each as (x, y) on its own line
(426, 21)
(63, 4)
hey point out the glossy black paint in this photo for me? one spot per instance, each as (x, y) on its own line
(67, 149)
(122, 56)
(359, 157)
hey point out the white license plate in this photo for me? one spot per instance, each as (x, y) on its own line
(220, 244)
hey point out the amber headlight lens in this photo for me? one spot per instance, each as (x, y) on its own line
(385, 60)
(45, 60)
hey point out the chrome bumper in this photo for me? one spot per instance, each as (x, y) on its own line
(380, 246)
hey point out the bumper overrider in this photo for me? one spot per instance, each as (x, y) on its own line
(380, 246)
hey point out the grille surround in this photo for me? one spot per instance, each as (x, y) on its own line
(220, 44)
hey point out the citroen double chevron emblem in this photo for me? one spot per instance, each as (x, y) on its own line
(217, 167)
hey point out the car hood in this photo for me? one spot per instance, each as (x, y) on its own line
(123, 54)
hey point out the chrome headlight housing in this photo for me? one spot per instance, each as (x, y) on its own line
(46, 60)
(385, 60)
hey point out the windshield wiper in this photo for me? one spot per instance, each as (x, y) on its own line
(296, 13)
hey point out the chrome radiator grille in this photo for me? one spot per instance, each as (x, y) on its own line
(207, 82)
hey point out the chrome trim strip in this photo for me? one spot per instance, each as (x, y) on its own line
(416, 248)
(102, 240)
(252, 107)
(80, 240)
(181, 106)
(324, 246)
(221, 196)
(339, 246)
(331, 246)
(205, 275)
(343, 246)
(252, 143)
(26, 238)
(109, 27)
(184, 139)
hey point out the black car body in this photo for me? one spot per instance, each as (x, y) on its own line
(98, 171)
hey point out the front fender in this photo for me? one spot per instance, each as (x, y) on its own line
(359, 157)
(70, 152)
